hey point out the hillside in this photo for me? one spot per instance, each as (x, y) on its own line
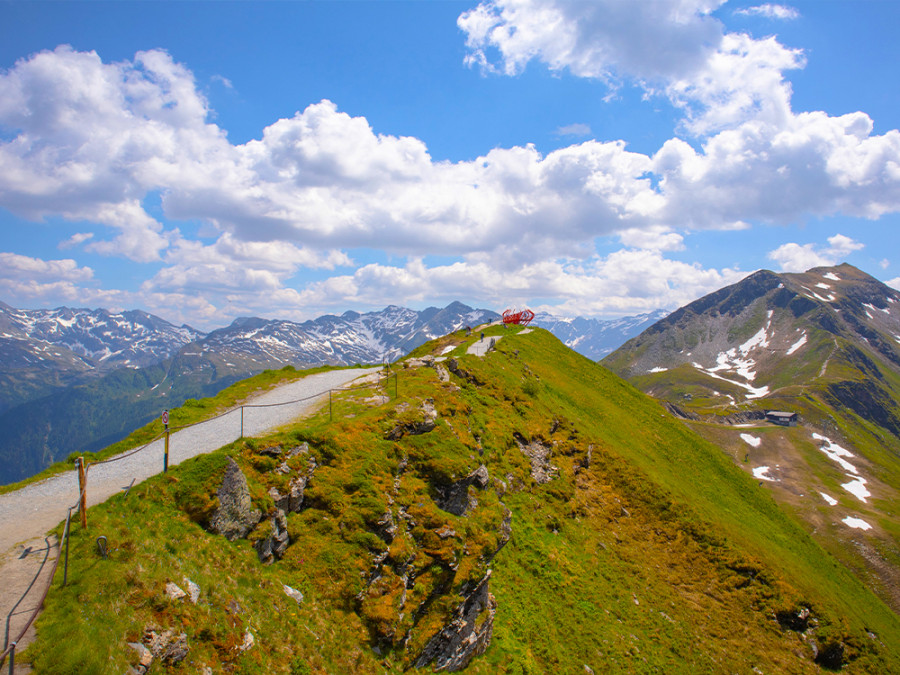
(824, 344)
(523, 512)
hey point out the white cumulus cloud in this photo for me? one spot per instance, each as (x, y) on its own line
(794, 257)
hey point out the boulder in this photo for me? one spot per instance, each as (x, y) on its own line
(234, 518)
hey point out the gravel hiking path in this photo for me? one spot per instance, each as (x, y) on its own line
(25, 515)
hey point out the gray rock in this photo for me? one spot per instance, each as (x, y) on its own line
(174, 592)
(293, 593)
(234, 518)
(166, 646)
(385, 527)
(272, 548)
(466, 635)
(456, 499)
(193, 590)
(145, 657)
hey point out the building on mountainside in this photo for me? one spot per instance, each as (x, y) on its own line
(785, 419)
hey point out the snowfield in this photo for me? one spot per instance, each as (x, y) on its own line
(751, 440)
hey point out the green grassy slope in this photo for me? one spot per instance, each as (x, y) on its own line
(648, 551)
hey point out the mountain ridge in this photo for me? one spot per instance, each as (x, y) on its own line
(824, 344)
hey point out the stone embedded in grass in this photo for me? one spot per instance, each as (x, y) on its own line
(174, 592)
(293, 593)
(166, 646)
(234, 519)
(193, 590)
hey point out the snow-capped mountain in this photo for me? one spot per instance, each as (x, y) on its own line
(42, 350)
(97, 337)
(337, 340)
(595, 338)
(771, 332)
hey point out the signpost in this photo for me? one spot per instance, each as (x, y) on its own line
(165, 421)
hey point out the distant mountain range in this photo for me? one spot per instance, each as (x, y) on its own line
(79, 379)
(825, 345)
(595, 338)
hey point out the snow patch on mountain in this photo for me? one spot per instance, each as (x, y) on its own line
(828, 498)
(762, 473)
(799, 343)
(836, 453)
(856, 523)
(754, 441)
(857, 488)
(832, 276)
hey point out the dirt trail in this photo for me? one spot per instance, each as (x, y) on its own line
(25, 515)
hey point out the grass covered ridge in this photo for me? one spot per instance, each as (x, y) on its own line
(646, 551)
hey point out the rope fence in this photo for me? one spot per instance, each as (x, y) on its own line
(81, 503)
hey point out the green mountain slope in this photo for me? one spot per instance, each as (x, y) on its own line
(824, 344)
(524, 512)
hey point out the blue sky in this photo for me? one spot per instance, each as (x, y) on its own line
(209, 160)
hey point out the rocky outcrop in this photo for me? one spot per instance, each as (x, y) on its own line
(539, 455)
(272, 547)
(456, 498)
(235, 517)
(455, 368)
(467, 634)
(416, 427)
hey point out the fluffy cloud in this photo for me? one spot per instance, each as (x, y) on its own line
(603, 39)
(90, 141)
(770, 11)
(799, 258)
(26, 277)
(625, 282)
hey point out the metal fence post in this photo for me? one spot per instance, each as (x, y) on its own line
(12, 658)
(166, 455)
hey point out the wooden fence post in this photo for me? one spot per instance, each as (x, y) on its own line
(82, 485)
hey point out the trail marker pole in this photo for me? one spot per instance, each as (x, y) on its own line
(165, 421)
(242, 421)
(330, 410)
(82, 484)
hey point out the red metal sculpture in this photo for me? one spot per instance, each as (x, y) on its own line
(521, 318)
